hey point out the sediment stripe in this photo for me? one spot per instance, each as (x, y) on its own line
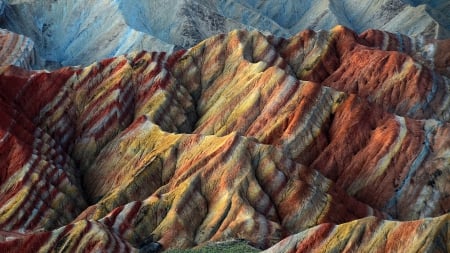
(369, 234)
(393, 149)
(16, 49)
(158, 80)
(77, 238)
(110, 219)
(302, 133)
(173, 58)
(104, 100)
(124, 218)
(152, 70)
(233, 185)
(36, 176)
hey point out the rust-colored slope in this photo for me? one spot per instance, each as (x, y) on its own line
(400, 78)
(205, 188)
(350, 139)
(39, 186)
(434, 53)
(243, 136)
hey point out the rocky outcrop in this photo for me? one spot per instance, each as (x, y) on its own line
(16, 49)
(242, 136)
(82, 236)
(60, 29)
(371, 235)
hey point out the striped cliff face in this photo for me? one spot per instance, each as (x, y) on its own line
(82, 236)
(427, 235)
(242, 136)
(16, 49)
(40, 185)
(224, 187)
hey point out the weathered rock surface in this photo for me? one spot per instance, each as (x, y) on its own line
(242, 136)
(82, 236)
(60, 29)
(16, 49)
(371, 235)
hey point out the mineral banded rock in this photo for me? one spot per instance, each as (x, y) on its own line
(243, 136)
(371, 235)
(16, 49)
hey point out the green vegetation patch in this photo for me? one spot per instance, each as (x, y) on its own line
(222, 247)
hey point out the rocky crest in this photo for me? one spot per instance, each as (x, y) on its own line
(60, 29)
(244, 135)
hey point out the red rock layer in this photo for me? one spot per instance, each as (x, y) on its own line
(434, 53)
(39, 186)
(205, 188)
(243, 136)
(393, 77)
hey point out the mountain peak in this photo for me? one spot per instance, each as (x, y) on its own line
(330, 139)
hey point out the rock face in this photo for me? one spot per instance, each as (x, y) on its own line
(16, 49)
(242, 136)
(60, 29)
(371, 235)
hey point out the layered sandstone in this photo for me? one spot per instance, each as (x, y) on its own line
(16, 49)
(242, 136)
(371, 235)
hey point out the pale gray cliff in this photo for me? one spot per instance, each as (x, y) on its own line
(78, 32)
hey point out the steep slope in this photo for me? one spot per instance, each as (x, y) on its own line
(16, 49)
(242, 136)
(82, 236)
(371, 235)
(60, 29)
